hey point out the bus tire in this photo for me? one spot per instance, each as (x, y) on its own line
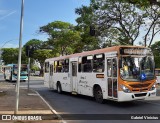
(98, 95)
(59, 88)
(4, 77)
(10, 79)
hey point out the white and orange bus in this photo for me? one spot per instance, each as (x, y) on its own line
(120, 73)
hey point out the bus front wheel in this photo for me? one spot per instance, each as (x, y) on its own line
(98, 94)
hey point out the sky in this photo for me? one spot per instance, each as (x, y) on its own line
(37, 13)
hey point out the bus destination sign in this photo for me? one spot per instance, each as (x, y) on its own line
(135, 51)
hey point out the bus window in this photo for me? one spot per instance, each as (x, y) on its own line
(59, 66)
(79, 64)
(46, 67)
(55, 66)
(87, 63)
(109, 68)
(51, 70)
(66, 66)
(114, 68)
(74, 69)
(98, 63)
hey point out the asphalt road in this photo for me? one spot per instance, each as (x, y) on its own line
(89, 111)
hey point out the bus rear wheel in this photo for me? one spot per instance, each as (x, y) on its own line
(10, 79)
(98, 94)
(59, 88)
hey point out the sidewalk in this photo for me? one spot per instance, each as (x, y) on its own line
(31, 106)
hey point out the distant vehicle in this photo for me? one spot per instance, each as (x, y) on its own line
(157, 73)
(35, 73)
(11, 71)
(120, 73)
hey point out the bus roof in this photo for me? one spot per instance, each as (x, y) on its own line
(98, 51)
(11, 65)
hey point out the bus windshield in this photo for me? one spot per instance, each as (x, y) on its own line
(23, 71)
(137, 68)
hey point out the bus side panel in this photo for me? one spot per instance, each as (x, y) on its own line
(64, 80)
(86, 82)
(46, 80)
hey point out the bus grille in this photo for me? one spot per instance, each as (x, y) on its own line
(140, 95)
(140, 85)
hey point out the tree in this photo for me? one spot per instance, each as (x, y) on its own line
(84, 22)
(39, 52)
(10, 55)
(151, 23)
(118, 21)
(33, 44)
(144, 3)
(41, 56)
(156, 51)
(62, 36)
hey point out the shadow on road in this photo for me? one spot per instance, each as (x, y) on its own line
(128, 104)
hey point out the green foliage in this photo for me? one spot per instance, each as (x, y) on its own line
(156, 51)
(143, 3)
(33, 42)
(84, 21)
(42, 55)
(35, 68)
(10, 55)
(120, 21)
(62, 36)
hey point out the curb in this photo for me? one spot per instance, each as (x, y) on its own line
(52, 110)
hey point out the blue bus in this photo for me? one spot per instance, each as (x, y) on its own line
(11, 71)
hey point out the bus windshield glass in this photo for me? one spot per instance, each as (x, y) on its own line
(137, 68)
(23, 71)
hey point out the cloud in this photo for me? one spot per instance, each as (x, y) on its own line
(2, 12)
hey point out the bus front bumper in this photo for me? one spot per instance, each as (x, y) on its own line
(122, 96)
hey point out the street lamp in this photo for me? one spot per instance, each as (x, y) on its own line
(19, 58)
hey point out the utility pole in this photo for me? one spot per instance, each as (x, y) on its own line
(19, 57)
(29, 62)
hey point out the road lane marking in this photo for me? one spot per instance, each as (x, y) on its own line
(54, 111)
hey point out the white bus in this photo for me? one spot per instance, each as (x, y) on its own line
(120, 73)
(11, 71)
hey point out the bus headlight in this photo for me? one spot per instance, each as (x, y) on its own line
(125, 89)
(153, 87)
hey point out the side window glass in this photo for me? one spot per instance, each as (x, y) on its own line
(51, 70)
(87, 62)
(66, 65)
(59, 67)
(109, 67)
(98, 63)
(46, 67)
(79, 64)
(74, 69)
(55, 66)
(114, 68)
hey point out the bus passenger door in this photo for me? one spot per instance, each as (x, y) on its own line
(112, 77)
(74, 77)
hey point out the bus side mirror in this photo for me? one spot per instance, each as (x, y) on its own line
(120, 63)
